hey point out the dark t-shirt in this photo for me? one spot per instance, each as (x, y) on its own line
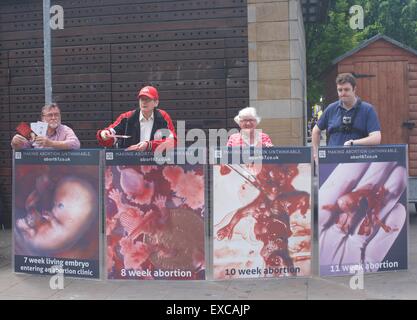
(365, 121)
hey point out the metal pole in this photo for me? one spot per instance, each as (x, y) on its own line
(47, 51)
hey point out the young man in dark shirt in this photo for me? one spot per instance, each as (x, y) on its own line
(349, 121)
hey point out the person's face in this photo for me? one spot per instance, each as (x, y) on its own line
(52, 116)
(147, 105)
(247, 123)
(346, 93)
(74, 208)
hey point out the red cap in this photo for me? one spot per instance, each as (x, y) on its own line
(150, 92)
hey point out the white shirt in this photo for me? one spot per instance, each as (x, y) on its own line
(145, 127)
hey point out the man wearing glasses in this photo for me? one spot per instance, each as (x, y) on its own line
(58, 136)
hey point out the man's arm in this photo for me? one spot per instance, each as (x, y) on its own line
(104, 136)
(374, 138)
(19, 142)
(170, 139)
(374, 129)
(69, 140)
(315, 141)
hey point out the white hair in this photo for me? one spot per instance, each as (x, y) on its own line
(248, 112)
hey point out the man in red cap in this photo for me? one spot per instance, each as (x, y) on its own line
(142, 129)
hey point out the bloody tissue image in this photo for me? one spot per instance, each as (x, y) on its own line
(155, 222)
(57, 211)
(362, 217)
(262, 223)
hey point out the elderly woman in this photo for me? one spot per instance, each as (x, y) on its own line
(247, 119)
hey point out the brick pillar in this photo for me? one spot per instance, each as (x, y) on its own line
(277, 68)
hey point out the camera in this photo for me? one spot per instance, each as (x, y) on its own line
(347, 120)
(346, 124)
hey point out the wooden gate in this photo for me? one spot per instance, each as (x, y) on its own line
(392, 108)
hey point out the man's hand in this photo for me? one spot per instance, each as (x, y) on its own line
(18, 141)
(44, 142)
(349, 143)
(141, 146)
(106, 135)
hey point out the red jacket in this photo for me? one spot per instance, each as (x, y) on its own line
(128, 124)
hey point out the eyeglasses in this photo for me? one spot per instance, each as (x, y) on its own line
(248, 120)
(51, 115)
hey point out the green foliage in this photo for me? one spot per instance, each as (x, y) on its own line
(325, 42)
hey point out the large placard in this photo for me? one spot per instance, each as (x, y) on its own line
(56, 212)
(262, 213)
(362, 206)
(155, 218)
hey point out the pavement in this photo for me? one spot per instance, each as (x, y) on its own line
(392, 285)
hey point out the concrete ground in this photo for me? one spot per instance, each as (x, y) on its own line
(394, 285)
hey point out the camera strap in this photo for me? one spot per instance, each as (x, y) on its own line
(342, 127)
